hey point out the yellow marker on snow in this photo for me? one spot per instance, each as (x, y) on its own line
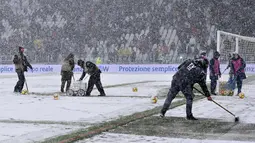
(135, 89)
(56, 96)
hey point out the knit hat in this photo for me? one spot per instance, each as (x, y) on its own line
(21, 49)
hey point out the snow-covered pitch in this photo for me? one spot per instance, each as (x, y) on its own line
(29, 118)
(244, 108)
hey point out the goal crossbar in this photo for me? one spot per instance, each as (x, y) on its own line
(237, 37)
(251, 39)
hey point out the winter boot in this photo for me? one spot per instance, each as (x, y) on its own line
(162, 113)
(238, 91)
(191, 117)
(87, 94)
(100, 89)
(102, 93)
(16, 89)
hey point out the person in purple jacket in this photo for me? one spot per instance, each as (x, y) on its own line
(214, 71)
(237, 66)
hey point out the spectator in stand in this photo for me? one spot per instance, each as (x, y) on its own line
(113, 22)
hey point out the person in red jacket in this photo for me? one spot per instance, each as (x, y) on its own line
(214, 71)
(237, 66)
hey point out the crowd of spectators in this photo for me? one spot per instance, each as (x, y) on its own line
(120, 31)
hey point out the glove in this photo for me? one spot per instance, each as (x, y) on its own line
(209, 98)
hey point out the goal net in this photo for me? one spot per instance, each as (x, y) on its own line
(227, 43)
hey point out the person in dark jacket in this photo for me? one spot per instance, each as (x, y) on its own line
(237, 66)
(21, 64)
(67, 72)
(202, 55)
(214, 71)
(94, 72)
(189, 73)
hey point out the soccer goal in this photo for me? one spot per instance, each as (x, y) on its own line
(227, 43)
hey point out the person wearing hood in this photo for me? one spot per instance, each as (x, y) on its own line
(67, 72)
(202, 55)
(237, 66)
(95, 79)
(189, 73)
(215, 73)
(21, 64)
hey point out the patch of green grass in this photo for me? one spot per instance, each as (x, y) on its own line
(180, 127)
(176, 127)
(140, 118)
(103, 127)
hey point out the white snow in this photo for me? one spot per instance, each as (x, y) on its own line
(90, 110)
(22, 133)
(127, 138)
(86, 109)
(76, 110)
(48, 83)
(70, 109)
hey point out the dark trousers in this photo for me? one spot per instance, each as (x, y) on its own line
(19, 86)
(66, 78)
(239, 82)
(231, 82)
(173, 91)
(95, 80)
(213, 83)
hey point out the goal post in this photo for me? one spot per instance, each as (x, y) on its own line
(227, 43)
